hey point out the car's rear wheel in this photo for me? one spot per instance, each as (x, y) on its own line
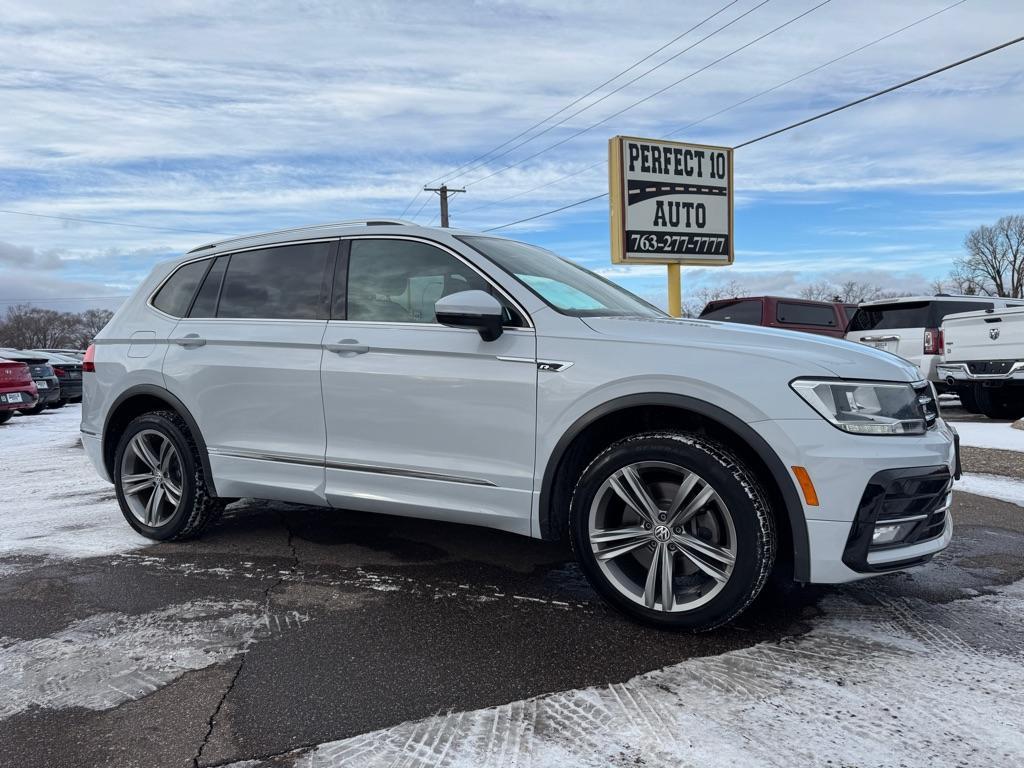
(1000, 402)
(34, 410)
(57, 404)
(968, 399)
(673, 530)
(159, 479)
(5, 416)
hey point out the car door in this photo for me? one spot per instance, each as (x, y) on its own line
(424, 419)
(246, 362)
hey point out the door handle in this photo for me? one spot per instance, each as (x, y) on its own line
(347, 347)
(190, 341)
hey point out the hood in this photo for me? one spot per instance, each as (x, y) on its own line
(817, 355)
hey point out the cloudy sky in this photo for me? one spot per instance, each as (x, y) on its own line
(190, 121)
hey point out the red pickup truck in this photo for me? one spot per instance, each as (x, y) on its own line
(17, 390)
(828, 318)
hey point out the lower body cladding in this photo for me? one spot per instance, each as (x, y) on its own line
(883, 502)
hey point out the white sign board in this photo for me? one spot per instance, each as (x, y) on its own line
(671, 203)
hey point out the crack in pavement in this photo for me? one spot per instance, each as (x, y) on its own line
(267, 595)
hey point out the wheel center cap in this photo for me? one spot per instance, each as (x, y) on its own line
(662, 533)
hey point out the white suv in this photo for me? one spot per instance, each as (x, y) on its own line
(391, 368)
(911, 327)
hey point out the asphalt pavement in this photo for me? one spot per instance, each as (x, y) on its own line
(289, 626)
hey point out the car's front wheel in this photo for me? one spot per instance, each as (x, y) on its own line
(159, 479)
(673, 530)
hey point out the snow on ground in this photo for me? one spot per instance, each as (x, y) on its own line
(52, 502)
(992, 486)
(879, 681)
(990, 434)
(109, 658)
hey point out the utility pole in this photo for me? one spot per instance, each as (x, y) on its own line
(444, 191)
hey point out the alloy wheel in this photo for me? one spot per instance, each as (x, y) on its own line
(152, 478)
(662, 536)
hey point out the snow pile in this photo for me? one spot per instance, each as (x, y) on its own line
(993, 486)
(990, 434)
(52, 502)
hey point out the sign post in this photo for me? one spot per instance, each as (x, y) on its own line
(671, 203)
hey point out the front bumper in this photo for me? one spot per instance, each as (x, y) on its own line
(841, 467)
(987, 370)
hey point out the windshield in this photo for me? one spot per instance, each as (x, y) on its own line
(568, 288)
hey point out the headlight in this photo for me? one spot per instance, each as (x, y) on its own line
(865, 407)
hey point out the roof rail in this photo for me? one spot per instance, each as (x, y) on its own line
(348, 223)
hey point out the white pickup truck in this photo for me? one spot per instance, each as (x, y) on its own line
(983, 360)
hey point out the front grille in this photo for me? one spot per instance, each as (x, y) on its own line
(927, 403)
(990, 367)
(895, 495)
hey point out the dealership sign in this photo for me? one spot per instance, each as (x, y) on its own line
(671, 203)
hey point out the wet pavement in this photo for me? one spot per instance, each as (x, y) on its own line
(288, 627)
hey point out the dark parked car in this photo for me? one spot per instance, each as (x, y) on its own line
(827, 318)
(17, 390)
(69, 373)
(42, 374)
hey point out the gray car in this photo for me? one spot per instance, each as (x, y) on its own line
(448, 375)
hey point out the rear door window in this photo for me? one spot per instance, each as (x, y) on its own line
(280, 283)
(176, 294)
(746, 311)
(797, 313)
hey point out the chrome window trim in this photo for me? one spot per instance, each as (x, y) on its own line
(451, 251)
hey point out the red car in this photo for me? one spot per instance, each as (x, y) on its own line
(828, 318)
(17, 390)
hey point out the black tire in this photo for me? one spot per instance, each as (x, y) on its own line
(5, 416)
(737, 487)
(58, 404)
(198, 508)
(1000, 402)
(35, 411)
(968, 398)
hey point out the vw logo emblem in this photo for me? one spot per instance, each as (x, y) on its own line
(662, 533)
(993, 333)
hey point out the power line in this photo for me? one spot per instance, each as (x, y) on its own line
(608, 95)
(577, 100)
(799, 123)
(113, 223)
(658, 92)
(548, 213)
(875, 95)
(740, 103)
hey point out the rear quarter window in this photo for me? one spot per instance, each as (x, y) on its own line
(746, 311)
(175, 296)
(795, 313)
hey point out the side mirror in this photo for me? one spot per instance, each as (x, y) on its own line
(471, 309)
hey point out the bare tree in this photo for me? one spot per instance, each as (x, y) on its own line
(90, 323)
(849, 291)
(994, 260)
(28, 327)
(694, 303)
